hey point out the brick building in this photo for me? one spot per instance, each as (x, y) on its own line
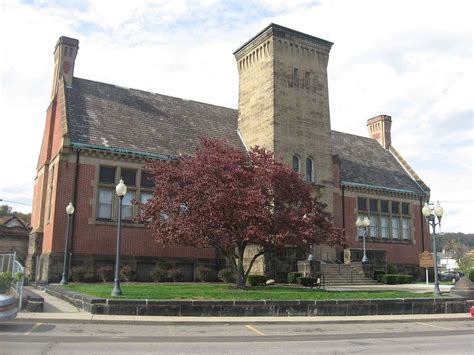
(283, 106)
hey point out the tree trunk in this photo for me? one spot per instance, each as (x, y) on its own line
(240, 270)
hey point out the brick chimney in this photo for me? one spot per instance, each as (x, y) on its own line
(64, 58)
(379, 129)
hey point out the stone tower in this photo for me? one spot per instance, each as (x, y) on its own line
(283, 101)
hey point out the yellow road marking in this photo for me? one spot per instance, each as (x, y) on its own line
(434, 326)
(254, 330)
(33, 329)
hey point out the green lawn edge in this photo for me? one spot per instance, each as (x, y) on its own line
(210, 291)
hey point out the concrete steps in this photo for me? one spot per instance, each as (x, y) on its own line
(340, 274)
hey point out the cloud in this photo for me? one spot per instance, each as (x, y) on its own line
(411, 60)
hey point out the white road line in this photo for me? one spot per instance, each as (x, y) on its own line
(254, 330)
(33, 329)
(434, 326)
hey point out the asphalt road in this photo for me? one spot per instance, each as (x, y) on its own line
(433, 337)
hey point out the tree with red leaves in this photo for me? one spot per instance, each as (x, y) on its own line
(228, 199)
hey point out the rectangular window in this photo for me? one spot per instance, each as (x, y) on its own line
(374, 226)
(296, 81)
(105, 203)
(107, 175)
(395, 207)
(362, 204)
(405, 208)
(129, 176)
(384, 227)
(306, 80)
(373, 205)
(146, 180)
(384, 206)
(406, 228)
(145, 196)
(127, 206)
(395, 228)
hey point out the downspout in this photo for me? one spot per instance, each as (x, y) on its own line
(73, 200)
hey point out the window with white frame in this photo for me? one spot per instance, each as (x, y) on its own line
(388, 219)
(139, 187)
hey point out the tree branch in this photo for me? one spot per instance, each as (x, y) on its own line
(260, 253)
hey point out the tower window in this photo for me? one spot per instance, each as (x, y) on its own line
(296, 81)
(296, 163)
(306, 80)
(309, 169)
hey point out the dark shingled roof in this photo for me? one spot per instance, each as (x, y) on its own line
(364, 161)
(105, 116)
(109, 116)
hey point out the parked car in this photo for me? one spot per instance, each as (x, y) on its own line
(8, 305)
(448, 276)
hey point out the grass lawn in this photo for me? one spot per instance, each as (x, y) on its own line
(210, 291)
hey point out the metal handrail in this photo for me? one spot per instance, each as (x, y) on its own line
(14, 267)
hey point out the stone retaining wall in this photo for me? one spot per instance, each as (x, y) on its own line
(262, 307)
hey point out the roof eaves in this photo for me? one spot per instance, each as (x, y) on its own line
(122, 151)
(382, 188)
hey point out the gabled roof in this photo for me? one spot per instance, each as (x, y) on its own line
(109, 116)
(114, 118)
(12, 222)
(364, 162)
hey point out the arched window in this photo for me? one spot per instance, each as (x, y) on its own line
(296, 163)
(309, 169)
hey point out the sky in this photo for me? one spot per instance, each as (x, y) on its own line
(411, 60)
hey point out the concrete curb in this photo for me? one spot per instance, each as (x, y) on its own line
(87, 318)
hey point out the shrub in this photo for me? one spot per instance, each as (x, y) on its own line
(377, 274)
(471, 275)
(307, 281)
(389, 279)
(128, 273)
(392, 269)
(158, 274)
(293, 277)
(106, 274)
(175, 274)
(226, 275)
(6, 281)
(405, 279)
(78, 273)
(204, 274)
(256, 280)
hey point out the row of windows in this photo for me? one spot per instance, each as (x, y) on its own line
(296, 163)
(295, 80)
(388, 219)
(139, 185)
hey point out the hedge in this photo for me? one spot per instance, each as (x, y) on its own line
(392, 279)
(256, 280)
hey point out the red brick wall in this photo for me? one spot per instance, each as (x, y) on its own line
(101, 239)
(398, 253)
(36, 208)
(45, 152)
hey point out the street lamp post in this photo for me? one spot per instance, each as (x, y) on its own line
(427, 211)
(120, 190)
(364, 223)
(69, 212)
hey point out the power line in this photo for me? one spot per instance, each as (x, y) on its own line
(17, 203)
